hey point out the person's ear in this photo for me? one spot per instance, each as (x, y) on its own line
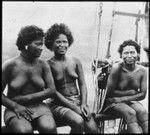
(138, 56)
(121, 56)
(26, 47)
(53, 47)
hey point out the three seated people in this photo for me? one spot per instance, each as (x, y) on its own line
(31, 80)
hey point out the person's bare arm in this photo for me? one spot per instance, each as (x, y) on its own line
(48, 91)
(143, 87)
(83, 90)
(9, 103)
(119, 93)
(66, 103)
(60, 98)
(139, 95)
(81, 82)
(6, 72)
(112, 80)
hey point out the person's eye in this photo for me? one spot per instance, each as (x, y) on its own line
(65, 42)
(58, 42)
(39, 44)
(125, 53)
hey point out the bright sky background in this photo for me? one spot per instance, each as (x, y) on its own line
(82, 19)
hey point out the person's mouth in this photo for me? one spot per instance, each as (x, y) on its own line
(39, 52)
(130, 60)
(62, 49)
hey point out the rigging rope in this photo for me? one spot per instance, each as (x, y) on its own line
(99, 24)
(108, 53)
(95, 62)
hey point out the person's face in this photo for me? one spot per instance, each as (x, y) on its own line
(129, 54)
(61, 44)
(35, 47)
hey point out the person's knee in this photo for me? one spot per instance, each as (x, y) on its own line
(77, 122)
(142, 115)
(130, 116)
(50, 128)
(20, 126)
(142, 112)
(91, 127)
(47, 127)
(22, 129)
(77, 125)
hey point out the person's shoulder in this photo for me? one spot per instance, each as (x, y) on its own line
(116, 66)
(115, 70)
(75, 59)
(10, 62)
(43, 62)
(141, 68)
(51, 61)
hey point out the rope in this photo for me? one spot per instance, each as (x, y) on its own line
(108, 54)
(95, 62)
(99, 24)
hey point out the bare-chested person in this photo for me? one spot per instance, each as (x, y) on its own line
(29, 82)
(127, 84)
(70, 108)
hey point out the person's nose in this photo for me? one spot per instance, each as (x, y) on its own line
(129, 55)
(62, 44)
(40, 47)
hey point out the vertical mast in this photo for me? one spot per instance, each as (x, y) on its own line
(110, 34)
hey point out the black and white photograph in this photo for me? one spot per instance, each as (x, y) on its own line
(75, 67)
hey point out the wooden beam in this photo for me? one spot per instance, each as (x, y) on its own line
(130, 14)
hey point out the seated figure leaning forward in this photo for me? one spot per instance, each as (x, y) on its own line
(127, 84)
(70, 107)
(29, 81)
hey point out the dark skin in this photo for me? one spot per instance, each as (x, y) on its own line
(67, 71)
(131, 92)
(128, 83)
(71, 77)
(29, 80)
(131, 87)
(74, 71)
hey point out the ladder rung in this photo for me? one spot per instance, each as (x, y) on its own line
(131, 14)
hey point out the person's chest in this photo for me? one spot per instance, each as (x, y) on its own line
(64, 70)
(129, 80)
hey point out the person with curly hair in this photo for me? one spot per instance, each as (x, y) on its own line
(29, 80)
(126, 86)
(70, 107)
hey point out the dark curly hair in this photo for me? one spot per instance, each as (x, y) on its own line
(129, 43)
(54, 31)
(28, 34)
